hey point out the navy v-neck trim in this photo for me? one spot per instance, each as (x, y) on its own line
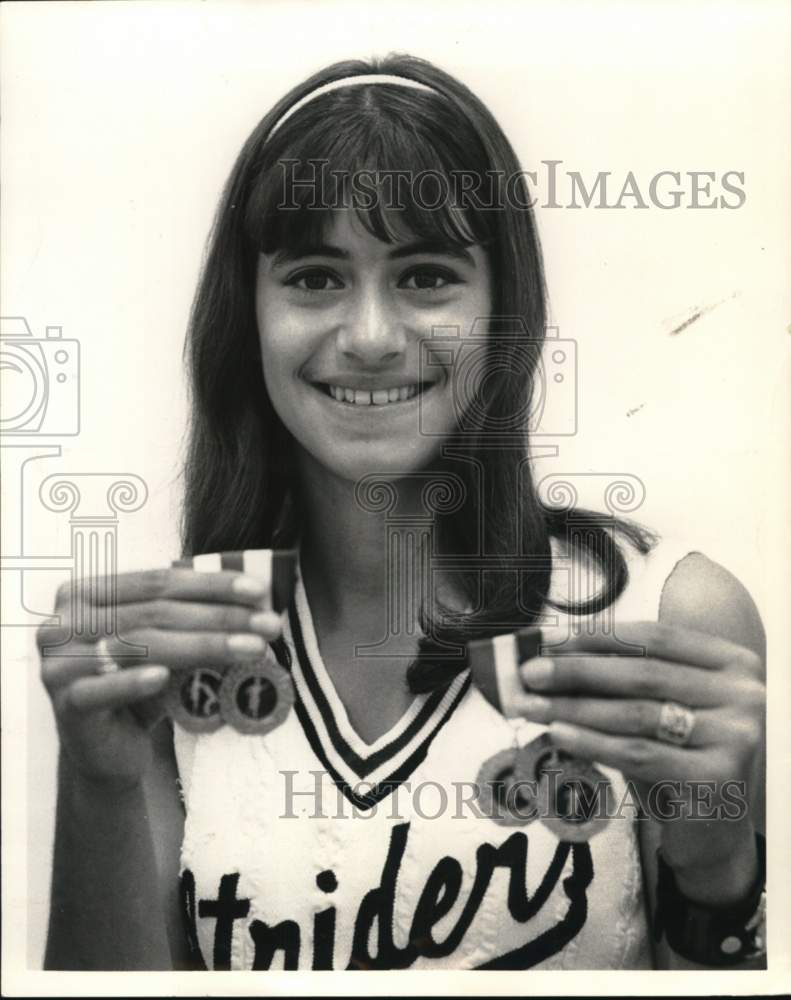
(347, 766)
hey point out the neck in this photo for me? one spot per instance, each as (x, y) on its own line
(344, 544)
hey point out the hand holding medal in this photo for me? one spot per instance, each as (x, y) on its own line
(194, 644)
(664, 706)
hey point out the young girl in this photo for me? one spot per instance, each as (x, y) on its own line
(363, 347)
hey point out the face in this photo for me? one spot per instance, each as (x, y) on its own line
(341, 329)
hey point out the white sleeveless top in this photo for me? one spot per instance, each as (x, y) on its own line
(290, 861)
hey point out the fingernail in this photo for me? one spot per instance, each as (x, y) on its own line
(538, 672)
(267, 622)
(153, 675)
(246, 643)
(534, 704)
(562, 733)
(250, 585)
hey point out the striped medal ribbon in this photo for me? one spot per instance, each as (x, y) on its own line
(494, 665)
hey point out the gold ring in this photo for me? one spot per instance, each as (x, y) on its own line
(106, 664)
(675, 724)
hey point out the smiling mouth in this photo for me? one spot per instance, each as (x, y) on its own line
(375, 397)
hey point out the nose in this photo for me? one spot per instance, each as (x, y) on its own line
(372, 335)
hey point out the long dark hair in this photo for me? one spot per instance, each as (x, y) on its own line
(239, 484)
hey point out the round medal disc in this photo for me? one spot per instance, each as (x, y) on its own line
(534, 757)
(576, 804)
(193, 700)
(501, 792)
(256, 698)
(574, 797)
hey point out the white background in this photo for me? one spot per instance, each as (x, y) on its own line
(120, 124)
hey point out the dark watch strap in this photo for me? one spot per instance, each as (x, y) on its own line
(712, 935)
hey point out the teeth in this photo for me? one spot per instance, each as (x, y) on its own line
(379, 397)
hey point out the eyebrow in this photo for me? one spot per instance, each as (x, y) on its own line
(454, 250)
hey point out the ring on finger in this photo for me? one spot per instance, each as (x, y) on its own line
(105, 664)
(675, 723)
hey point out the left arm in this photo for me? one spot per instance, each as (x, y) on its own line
(702, 595)
(705, 656)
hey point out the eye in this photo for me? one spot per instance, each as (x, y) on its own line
(314, 279)
(428, 278)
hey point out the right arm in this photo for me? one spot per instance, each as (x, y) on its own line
(119, 821)
(106, 905)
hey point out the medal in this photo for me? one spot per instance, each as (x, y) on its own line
(193, 700)
(505, 789)
(256, 697)
(251, 697)
(502, 791)
(579, 805)
(574, 797)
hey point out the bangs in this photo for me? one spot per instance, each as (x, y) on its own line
(400, 173)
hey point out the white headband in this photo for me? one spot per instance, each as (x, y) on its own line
(349, 81)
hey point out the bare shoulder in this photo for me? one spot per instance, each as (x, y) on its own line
(701, 594)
